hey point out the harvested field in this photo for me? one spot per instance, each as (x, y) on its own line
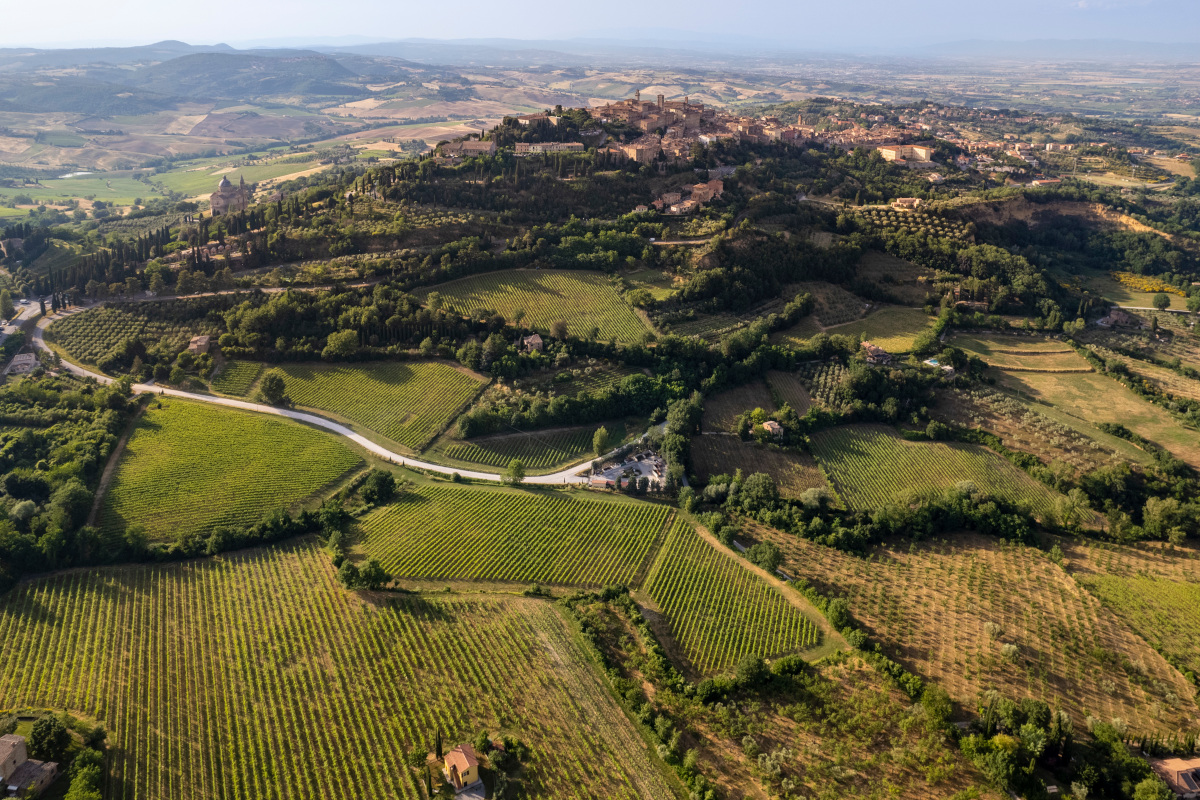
(893, 328)
(1023, 354)
(947, 609)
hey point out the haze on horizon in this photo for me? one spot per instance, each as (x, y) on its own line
(849, 26)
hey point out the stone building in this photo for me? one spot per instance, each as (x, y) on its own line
(229, 198)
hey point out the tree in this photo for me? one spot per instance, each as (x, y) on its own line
(273, 387)
(6, 305)
(437, 745)
(600, 441)
(373, 576)
(1152, 788)
(559, 330)
(1161, 301)
(752, 670)
(49, 739)
(515, 473)
(341, 344)
(379, 487)
(428, 782)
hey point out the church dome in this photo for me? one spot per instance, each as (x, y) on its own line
(224, 184)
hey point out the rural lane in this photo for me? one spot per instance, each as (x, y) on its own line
(561, 477)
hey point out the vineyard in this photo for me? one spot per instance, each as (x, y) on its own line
(871, 466)
(946, 609)
(893, 328)
(1165, 613)
(585, 300)
(794, 473)
(788, 387)
(474, 534)
(537, 450)
(190, 467)
(407, 402)
(721, 410)
(718, 610)
(89, 335)
(236, 378)
(257, 676)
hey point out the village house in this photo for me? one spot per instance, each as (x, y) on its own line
(531, 343)
(21, 776)
(537, 120)
(461, 768)
(876, 354)
(1117, 318)
(200, 345)
(906, 203)
(773, 428)
(467, 148)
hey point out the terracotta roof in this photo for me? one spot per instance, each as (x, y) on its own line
(462, 757)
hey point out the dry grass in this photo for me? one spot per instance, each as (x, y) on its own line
(787, 387)
(930, 605)
(722, 409)
(793, 472)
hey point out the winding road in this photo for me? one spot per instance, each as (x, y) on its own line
(566, 476)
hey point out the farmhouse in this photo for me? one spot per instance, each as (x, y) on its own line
(1181, 774)
(531, 343)
(461, 768)
(1118, 319)
(774, 428)
(876, 354)
(199, 345)
(21, 776)
(228, 198)
(906, 203)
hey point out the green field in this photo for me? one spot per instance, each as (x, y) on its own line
(1165, 613)
(237, 377)
(193, 181)
(407, 402)
(480, 534)
(719, 610)
(191, 467)
(89, 335)
(1023, 353)
(892, 328)
(582, 299)
(258, 676)
(537, 450)
(871, 466)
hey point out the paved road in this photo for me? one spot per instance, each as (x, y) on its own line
(564, 476)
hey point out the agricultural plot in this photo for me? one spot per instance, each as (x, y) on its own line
(479, 534)
(407, 402)
(794, 473)
(1176, 340)
(584, 300)
(191, 467)
(537, 450)
(721, 410)
(1023, 354)
(789, 388)
(717, 609)
(658, 283)
(89, 335)
(236, 377)
(893, 328)
(1096, 398)
(871, 466)
(1110, 287)
(948, 609)
(821, 381)
(258, 676)
(898, 277)
(1166, 380)
(834, 305)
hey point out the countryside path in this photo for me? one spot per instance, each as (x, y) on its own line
(567, 476)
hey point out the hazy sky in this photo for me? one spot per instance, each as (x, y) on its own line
(827, 24)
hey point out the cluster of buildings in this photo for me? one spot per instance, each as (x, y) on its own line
(688, 200)
(20, 775)
(618, 475)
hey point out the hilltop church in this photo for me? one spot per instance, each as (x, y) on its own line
(229, 198)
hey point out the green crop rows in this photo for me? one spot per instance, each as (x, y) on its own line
(258, 676)
(237, 377)
(1165, 613)
(582, 299)
(473, 534)
(409, 403)
(536, 450)
(720, 611)
(89, 335)
(190, 467)
(872, 466)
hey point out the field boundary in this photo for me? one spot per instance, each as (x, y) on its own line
(114, 458)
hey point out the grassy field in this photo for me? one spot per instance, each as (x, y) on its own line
(872, 466)
(1023, 353)
(191, 467)
(793, 472)
(1096, 398)
(484, 534)
(1105, 284)
(722, 409)
(407, 402)
(538, 450)
(788, 387)
(892, 328)
(584, 300)
(89, 335)
(717, 609)
(945, 609)
(258, 676)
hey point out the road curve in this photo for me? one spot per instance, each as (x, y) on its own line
(566, 476)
